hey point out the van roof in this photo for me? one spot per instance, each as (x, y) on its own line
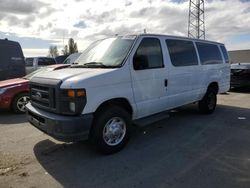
(8, 42)
(178, 37)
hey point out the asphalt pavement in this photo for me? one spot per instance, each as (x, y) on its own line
(187, 150)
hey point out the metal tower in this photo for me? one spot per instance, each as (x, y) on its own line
(196, 21)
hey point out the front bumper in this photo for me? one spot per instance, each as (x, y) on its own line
(5, 102)
(239, 82)
(63, 128)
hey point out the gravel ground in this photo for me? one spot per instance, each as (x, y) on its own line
(185, 150)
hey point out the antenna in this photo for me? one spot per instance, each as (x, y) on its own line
(196, 21)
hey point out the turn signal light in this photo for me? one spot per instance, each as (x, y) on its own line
(80, 93)
(71, 93)
(76, 93)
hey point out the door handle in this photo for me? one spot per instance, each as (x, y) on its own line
(166, 82)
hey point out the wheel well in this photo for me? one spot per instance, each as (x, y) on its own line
(214, 86)
(14, 96)
(118, 102)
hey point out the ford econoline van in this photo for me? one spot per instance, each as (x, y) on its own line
(125, 80)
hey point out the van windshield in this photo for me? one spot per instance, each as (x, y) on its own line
(106, 53)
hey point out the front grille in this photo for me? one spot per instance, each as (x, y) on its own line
(43, 96)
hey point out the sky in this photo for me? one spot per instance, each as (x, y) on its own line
(37, 24)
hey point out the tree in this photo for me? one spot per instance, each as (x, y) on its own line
(70, 48)
(53, 51)
(65, 50)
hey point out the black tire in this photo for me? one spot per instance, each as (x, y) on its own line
(102, 118)
(15, 103)
(208, 103)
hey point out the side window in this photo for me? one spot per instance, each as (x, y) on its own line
(53, 61)
(209, 53)
(49, 61)
(15, 50)
(148, 55)
(182, 53)
(225, 54)
(29, 62)
(41, 61)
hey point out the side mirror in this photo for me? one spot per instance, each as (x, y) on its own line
(140, 62)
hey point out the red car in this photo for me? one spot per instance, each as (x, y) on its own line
(14, 93)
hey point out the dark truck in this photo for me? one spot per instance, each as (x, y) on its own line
(240, 75)
(12, 64)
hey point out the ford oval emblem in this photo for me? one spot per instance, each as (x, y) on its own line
(38, 95)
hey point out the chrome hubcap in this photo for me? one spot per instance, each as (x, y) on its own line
(114, 131)
(21, 102)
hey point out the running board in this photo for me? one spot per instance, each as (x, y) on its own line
(151, 119)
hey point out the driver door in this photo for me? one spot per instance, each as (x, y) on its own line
(149, 77)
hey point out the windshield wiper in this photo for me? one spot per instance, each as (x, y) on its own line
(93, 65)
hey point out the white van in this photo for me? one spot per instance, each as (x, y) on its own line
(125, 80)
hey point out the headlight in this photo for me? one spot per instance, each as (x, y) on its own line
(72, 107)
(2, 90)
(72, 101)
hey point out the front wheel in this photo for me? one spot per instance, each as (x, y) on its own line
(208, 103)
(19, 102)
(111, 128)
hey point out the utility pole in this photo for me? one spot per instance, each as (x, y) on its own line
(196, 20)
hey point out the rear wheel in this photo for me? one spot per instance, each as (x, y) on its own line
(208, 103)
(19, 102)
(111, 128)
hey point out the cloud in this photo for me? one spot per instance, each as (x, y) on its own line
(80, 24)
(20, 6)
(59, 32)
(28, 42)
(31, 52)
(16, 21)
(102, 17)
(128, 3)
(42, 28)
(88, 20)
(226, 19)
(46, 11)
(22, 13)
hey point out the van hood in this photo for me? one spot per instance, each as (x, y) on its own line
(73, 74)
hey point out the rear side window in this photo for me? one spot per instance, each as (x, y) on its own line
(182, 53)
(46, 61)
(209, 53)
(225, 54)
(16, 51)
(50, 61)
(41, 61)
(148, 55)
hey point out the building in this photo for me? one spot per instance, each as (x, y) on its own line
(240, 56)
